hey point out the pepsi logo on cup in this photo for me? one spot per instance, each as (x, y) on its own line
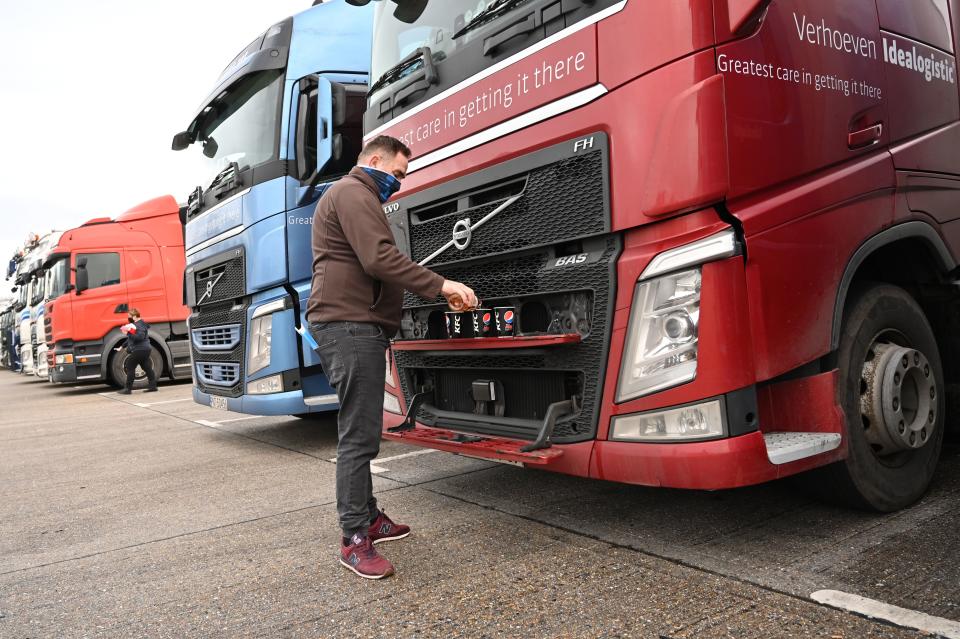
(505, 317)
(482, 320)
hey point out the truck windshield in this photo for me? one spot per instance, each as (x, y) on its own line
(242, 126)
(37, 290)
(57, 278)
(394, 40)
(463, 29)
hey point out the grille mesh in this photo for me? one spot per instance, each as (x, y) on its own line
(520, 277)
(561, 202)
(218, 373)
(216, 337)
(216, 316)
(224, 281)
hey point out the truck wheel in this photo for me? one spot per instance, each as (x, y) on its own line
(892, 395)
(117, 376)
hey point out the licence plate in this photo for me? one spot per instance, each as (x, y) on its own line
(220, 403)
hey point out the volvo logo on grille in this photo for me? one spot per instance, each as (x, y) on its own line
(211, 284)
(462, 232)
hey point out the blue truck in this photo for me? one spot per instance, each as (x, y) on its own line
(283, 122)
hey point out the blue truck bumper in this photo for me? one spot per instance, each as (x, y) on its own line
(289, 403)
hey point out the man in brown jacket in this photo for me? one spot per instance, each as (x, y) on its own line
(359, 277)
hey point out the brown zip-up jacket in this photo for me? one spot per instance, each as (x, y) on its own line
(359, 274)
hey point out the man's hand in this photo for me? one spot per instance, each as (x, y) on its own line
(456, 289)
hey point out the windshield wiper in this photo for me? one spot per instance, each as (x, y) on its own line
(397, 71)
(496, 9)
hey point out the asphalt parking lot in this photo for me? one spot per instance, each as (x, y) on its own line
(149, 515)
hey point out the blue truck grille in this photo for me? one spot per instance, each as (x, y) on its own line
(218, 373)
(219, 282)
(209, 321)
(216, 338)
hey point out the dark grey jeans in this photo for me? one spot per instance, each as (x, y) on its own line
(352, 355)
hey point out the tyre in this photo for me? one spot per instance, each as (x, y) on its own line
(117, 377)
(892, 395)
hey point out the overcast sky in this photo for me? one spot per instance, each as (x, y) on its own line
(91, 94)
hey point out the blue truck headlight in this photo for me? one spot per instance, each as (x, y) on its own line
(664, 331)
(684, 423)
(261, 333)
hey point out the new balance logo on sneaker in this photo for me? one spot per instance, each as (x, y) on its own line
(363, 559)
(385, 529)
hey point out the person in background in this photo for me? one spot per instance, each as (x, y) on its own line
(138, 352)
(355, 305)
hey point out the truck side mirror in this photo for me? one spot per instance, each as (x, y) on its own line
(331, 108)
(83, 278)
(181, 141)
(330, 113)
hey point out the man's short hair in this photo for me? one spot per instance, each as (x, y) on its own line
(133, 312)
(385, 145)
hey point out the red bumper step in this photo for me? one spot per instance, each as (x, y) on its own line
(475, 445)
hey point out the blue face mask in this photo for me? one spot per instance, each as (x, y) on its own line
(387, 184)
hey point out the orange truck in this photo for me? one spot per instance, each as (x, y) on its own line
(100, 270)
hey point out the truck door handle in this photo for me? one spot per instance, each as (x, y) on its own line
(865, 137)
(121, 308)
(492, 43)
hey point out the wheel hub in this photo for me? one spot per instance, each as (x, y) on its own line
(898, 398)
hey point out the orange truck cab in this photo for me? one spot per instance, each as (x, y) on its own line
(99, 271)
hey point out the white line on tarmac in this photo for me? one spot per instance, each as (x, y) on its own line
(377, 470)
(416, 453)
(896, 615)
(213, 424)
(238, 419)
(169, 401)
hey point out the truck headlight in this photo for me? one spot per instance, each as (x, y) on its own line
(389, 372)
(697, 422)
(265, 386)
(66, 358)
(662, 339)
(663, 333)
(261, 333)
(391, 404)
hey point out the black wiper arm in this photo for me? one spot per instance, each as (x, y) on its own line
(494, 10)
(395, 72)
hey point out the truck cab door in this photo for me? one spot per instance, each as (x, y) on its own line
(805, 90)
(327, 137)
(145, 283)
(919, 48)
(102, 306)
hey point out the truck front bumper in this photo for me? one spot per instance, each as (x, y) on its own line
(733, 462)
(63, 373)
(288, 403)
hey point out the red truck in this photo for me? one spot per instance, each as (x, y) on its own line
(101, 269)
(729, 229)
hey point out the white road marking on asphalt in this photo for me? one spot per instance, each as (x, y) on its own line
(237, 419)
(378, 470)
(212, 424)
(416, 453)
(896, 615)
(169, 401)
